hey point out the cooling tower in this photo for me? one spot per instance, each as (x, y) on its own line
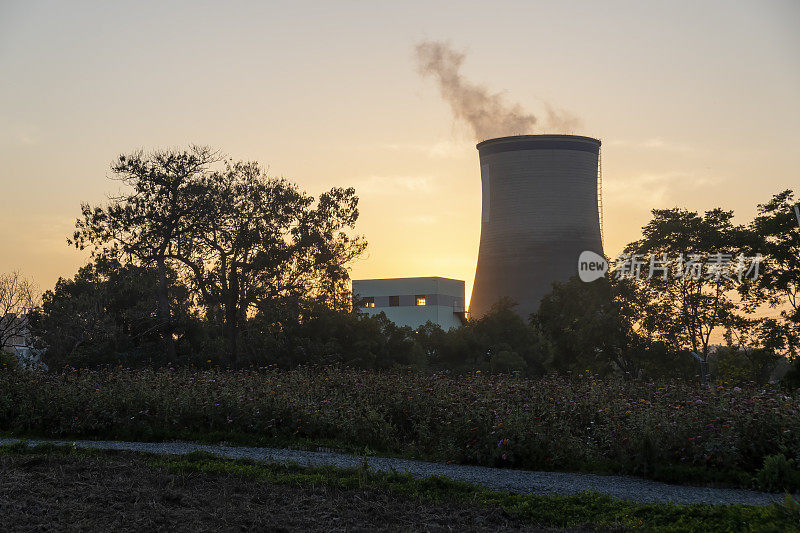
(539, 212)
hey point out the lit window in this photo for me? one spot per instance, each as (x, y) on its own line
(420, 299)
(369, 301)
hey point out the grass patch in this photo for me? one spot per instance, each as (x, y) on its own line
(583, 510)
(674, 474)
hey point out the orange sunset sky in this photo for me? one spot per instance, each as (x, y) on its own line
(697, 105)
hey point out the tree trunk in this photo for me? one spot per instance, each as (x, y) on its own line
(231, 329)
(163, 309)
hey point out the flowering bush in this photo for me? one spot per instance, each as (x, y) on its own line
(548, 423)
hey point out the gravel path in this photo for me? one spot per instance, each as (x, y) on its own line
(519, 481)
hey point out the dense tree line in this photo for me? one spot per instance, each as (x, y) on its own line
(659, 322)
(203, 260)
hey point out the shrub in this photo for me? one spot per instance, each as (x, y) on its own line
(7, 360)
(507, 361)
(736, 366)
(778, 474)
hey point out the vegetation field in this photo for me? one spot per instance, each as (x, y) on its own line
(672, 431)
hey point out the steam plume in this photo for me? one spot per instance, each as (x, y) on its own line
(486, 113)
(560, 119)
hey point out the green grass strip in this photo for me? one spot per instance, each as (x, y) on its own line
(585, 509)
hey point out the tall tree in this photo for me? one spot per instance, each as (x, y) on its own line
(685, 283)
(240, 239)
(777, 238)
(154, 221)
(264, 240)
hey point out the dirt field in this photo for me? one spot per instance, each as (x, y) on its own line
(124, 494)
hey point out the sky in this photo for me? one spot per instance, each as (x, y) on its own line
(696, 103)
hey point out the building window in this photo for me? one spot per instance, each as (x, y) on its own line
(369, 301)
(394, 301)
(420, 299)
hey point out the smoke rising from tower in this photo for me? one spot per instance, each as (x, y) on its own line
(487, 113)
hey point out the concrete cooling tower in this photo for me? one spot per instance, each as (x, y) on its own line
(540, 211)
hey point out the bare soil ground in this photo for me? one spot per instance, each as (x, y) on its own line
(52, 493)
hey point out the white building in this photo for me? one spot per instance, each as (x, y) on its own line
(413, 301)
